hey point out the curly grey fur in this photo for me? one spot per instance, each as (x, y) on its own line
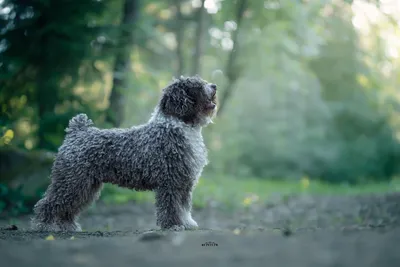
(166, 155)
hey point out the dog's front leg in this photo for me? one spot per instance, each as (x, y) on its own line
(173, 208)
(188, 221)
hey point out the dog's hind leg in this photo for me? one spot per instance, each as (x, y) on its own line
(79, 200)
(43, 219)
(64, 200)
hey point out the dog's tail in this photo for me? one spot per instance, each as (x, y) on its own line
(79, 123)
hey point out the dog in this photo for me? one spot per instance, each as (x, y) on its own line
(166, 155)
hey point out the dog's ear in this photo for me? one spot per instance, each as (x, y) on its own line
(176, 103)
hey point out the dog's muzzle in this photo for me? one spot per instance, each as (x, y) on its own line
(213, 102)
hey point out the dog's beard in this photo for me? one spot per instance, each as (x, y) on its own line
(209, 119)
(213, 115)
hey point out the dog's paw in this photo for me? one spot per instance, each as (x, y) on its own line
(78, 227)
(191, 225)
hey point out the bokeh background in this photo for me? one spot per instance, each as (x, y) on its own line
(308, 89)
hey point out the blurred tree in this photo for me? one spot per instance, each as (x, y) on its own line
(232, 69)
(199, 43)
(122, 65)
(360, 133)
(180, 34)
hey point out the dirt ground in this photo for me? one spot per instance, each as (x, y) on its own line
(298, 231)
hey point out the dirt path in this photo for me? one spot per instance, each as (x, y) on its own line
(321, 248)
(302, 231)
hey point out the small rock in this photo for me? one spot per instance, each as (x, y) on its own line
(287, 232)
(12, 227)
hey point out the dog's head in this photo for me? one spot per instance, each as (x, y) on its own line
(191, 100)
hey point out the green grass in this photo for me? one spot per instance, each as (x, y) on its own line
(232, 192)
(116, 195)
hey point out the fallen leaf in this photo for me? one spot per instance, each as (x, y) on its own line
(50, 237)
(236, 231)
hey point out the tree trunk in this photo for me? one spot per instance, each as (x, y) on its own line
(196, 68)
(232, 71)
(121, 70)
(46, 99)
(179, 33)
(46, 94)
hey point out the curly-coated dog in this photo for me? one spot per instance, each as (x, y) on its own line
(166, 155)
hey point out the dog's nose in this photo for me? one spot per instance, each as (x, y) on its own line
(214, 86)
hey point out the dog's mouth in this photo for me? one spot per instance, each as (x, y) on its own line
(212, 103)
(211, 106)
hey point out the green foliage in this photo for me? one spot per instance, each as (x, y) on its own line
(117, 195)
(46, 51)
(360, 130)
(12, 201)
(302, 105)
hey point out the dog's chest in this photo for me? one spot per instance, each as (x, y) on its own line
(198, 150)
